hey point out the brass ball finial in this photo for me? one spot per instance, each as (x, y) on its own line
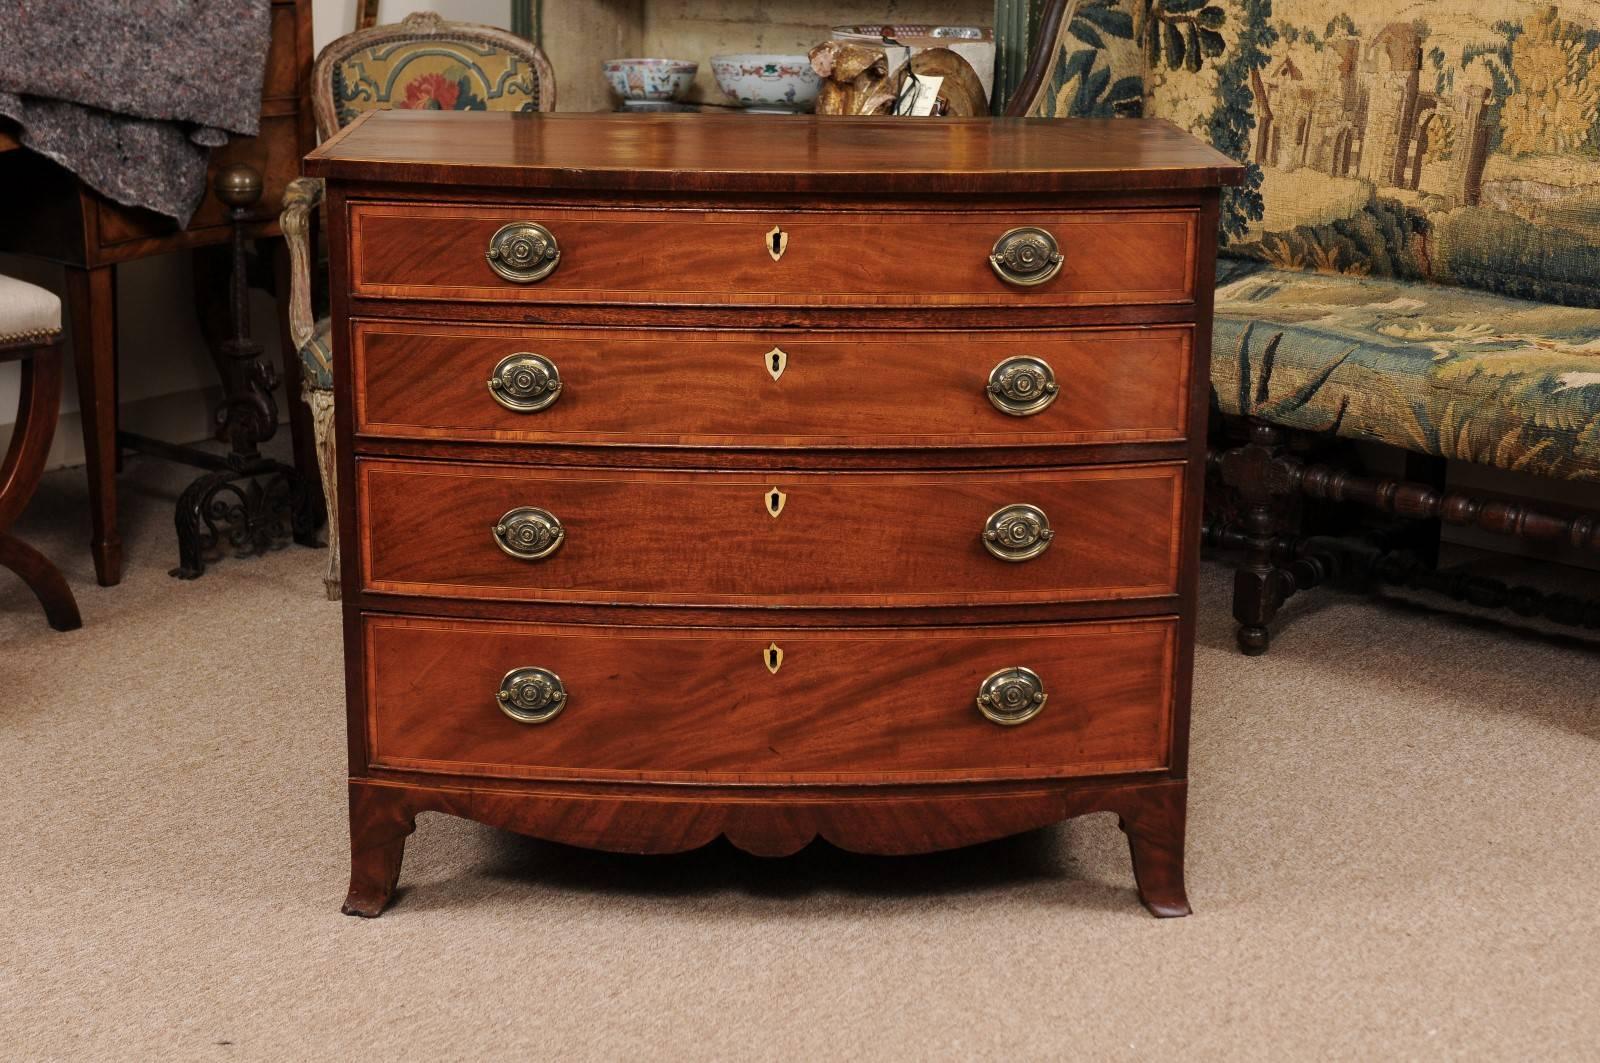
(238, 185)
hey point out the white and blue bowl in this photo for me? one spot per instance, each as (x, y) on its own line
(650, 79)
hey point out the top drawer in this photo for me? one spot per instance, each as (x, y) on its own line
(1107, 257)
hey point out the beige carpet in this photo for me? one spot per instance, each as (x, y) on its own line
(1394, 853)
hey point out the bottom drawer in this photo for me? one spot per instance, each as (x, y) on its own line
(767, 704)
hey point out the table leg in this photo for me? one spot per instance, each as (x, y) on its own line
(92, 302)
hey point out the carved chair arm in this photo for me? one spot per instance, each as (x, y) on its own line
(301, 199)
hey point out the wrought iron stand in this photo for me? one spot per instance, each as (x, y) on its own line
(247, 501)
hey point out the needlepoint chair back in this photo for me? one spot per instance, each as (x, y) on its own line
(427, 63)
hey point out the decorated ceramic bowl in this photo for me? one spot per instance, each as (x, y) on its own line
(650, 79)
(778, 82)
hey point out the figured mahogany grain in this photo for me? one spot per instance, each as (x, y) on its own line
(707, 538)
(615, 255)
(837, 388)
(790, 154)
(701, 705)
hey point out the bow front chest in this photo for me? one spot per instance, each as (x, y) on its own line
(769, 477)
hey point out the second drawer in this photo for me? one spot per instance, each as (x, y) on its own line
(795, 388)
(785, 538)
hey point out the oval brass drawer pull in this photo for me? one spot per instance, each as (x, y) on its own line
(1023, 385)
(1017, 533)
(529, 533)
(525, 382)
(523, 252)
(1026, 256)
(1011, 696)
(532, 695)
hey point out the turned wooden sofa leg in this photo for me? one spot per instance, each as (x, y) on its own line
(1267, 480)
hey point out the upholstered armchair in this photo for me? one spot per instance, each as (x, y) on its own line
(423, 63)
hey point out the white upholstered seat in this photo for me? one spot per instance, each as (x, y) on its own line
(27, 312)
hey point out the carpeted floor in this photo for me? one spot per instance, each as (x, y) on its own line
(1394, 853)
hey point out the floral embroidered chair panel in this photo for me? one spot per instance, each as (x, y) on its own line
(439, 75)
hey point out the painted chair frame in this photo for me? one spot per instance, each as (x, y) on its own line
(304, 195)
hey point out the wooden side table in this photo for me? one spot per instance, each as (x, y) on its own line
(61, 219)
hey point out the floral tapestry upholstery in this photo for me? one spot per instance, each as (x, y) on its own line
(1415, 254)
(1452, 372)
(1099, 70)
(438, 75)
(1450, 141)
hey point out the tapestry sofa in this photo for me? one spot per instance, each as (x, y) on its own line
(1414, 259)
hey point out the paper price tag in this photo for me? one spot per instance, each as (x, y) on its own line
(920, 97)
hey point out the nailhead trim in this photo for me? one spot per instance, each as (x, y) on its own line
(37, 336)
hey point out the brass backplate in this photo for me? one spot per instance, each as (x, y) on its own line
(772, 657)
(774, 500)
(775, 361)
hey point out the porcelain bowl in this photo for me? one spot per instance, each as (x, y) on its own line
(650, 79)
(780, 82)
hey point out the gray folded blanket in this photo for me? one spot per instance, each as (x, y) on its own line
(132, 97)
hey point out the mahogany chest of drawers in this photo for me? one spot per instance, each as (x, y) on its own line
(775, 478)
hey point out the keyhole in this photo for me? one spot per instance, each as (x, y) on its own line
(772, 501)
(774, 364)
(772, 660)
(777, 242)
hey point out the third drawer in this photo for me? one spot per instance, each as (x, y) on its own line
(783, 538)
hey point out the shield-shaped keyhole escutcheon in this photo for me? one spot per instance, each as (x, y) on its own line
(772, 657)
(777, 242)
(776, 362)
(774, 500)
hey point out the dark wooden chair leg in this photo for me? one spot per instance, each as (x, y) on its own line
(92, 303)
(380, 821)
(1155, 829)
(38, 409)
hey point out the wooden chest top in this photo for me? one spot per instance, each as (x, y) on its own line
(738, 153)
